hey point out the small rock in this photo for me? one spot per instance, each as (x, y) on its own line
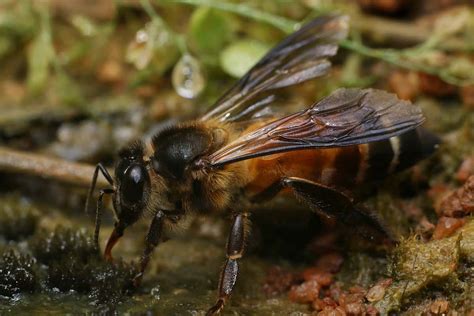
(111, 71)
(404, 84)
(447, 226)
(332, 311)
(330, 262)
(377, 292)
(278, 281)
(322, 277)
(467, 96)
(440, 306)
(460, 202)
(434, 86)
(306, 292)
(425, 228)
(320, 304)
(466, 169)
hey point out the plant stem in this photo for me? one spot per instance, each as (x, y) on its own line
(285, 25)
(47, 167)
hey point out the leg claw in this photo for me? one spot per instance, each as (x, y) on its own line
(137, 280)
(216, 309)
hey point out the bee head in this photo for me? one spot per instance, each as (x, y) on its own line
(133, 183)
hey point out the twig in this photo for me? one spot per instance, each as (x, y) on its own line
(47, 167)
(283, 24)
(286, 25)
(398, 58)
(385, 30)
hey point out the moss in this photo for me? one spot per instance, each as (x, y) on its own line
(362, 269)
(103, 282)
(74, 263)
(420, 269)
(456, 147)
(111, 282)
(17, 274)
(18, 218)
(63, 244)
(67, 275)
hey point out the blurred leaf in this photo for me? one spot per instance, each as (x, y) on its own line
(84, 25)
(67, 90)
(6, 44)
(209, 31)
(153, 47)
(462, 68)
(239, 57)
(351, 75)
(451, 22)
(40, 58)
(17, 18)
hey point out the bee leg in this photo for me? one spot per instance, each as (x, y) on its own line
(99, 168)
(235, 250)
(331, 203)
(152, 239)
(269, 193)
(98, 214)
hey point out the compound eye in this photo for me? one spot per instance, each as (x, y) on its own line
(133, 184)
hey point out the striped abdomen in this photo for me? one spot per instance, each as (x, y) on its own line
(343, 167)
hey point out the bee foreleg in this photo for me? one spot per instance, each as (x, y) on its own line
(98, 214)
(152, 239)
(335, 204)
(235, 250)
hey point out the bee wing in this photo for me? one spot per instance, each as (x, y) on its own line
(299, 57)
(346, 117)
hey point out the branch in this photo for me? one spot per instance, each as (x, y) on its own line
(48, 167)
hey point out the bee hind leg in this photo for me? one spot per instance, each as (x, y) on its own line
(235, 249)
(332, 203)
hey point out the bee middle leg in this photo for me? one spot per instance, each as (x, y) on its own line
(235, 249)
(152, 239)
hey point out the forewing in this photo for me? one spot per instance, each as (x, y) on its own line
(299, 57)
(346, 117)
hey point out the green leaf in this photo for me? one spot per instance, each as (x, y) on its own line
(40, 58)
(237, 58)
(154, 48)
(209, 31)
(68, 92)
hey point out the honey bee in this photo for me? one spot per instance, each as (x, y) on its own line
(236, 155)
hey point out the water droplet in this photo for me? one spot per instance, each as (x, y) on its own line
(155, 292)
(188, 78)
(141, 37)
